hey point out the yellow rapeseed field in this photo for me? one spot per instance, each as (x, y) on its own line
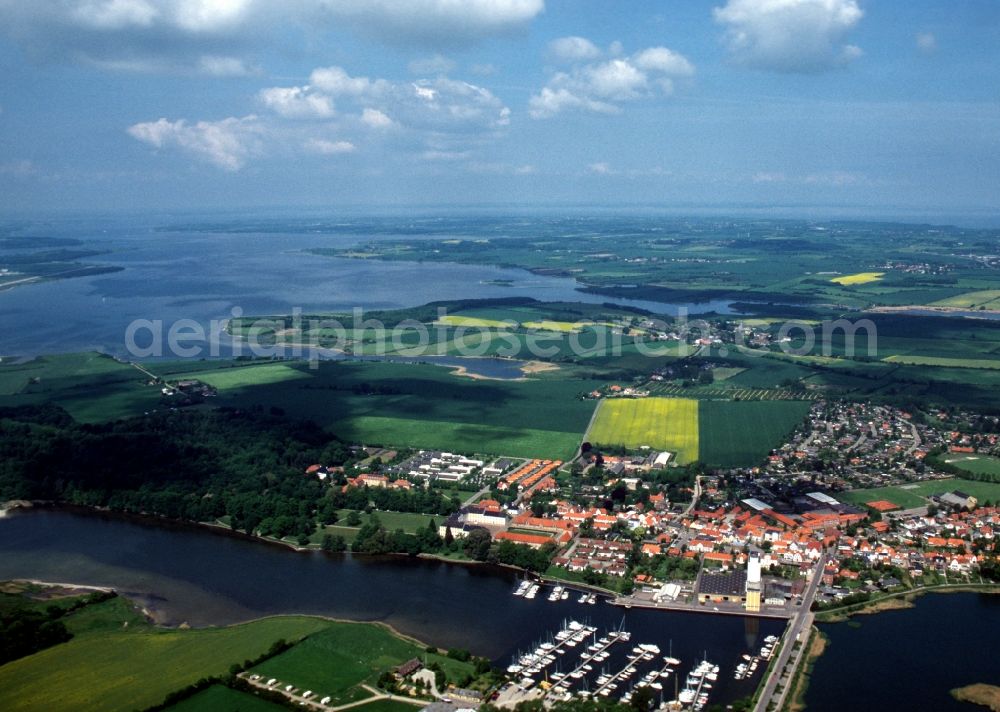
(848, 280)
(661, 423)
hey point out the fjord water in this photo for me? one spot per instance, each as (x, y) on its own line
(909, 659)
(194, 575)
(173, 275)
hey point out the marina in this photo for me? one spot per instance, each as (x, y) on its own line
(579, 662)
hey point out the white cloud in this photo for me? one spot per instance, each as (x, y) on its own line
(436, 64)
(661, 59)
(615, 79)
(297, 102)
(573, 49)
(114, 14)
(375, 118)
(227, 143)
(336, 81)
(329, 148)
(171, 35)
(926, 42)
(434, 22)
(549, 102)
(437, 155)
(602, 86)
(601, 169)
(790, 35)
(218, 66)
(210, 15)
(769, 177)
(436, 119)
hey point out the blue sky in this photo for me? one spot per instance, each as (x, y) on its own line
(849, 106)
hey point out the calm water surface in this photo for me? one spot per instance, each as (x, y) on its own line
(191, 574)
(909, 659)
(203, 276)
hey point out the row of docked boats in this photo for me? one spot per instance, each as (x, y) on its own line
(698, 686)
(750, 663)
(528, 589)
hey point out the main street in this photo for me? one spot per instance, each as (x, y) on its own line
(802, 622)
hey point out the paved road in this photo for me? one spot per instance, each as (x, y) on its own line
(799, 624)
(695, 496)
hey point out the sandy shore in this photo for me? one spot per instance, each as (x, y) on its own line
(979, 694)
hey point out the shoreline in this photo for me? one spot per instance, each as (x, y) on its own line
(933, 308)
(892, 602)
(332, 619)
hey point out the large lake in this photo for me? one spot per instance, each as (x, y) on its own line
(174, 275)
(194, 575)
(909, 659)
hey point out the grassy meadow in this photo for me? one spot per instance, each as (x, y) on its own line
(339, 659)
(108, 666)
(219, 698)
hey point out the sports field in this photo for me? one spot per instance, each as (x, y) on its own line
(719, 433)
(985, 465)
(660, 423)
(848, 280)
(914, 495)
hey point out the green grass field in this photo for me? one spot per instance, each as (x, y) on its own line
(247, 376)
(908, 496)
(660, 423)
(219, 698)
(989, 298)
(986, 465)
(417, 405)
(385, 706)
(945, 362)
(740, 433)
(90, 386)
(375, 403)
(107, 667)
(338, 660)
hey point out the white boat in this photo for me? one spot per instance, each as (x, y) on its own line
(671, 661)
(522, 588)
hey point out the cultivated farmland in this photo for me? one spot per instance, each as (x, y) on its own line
(848, 280)
(661, 423)
(740, 433)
